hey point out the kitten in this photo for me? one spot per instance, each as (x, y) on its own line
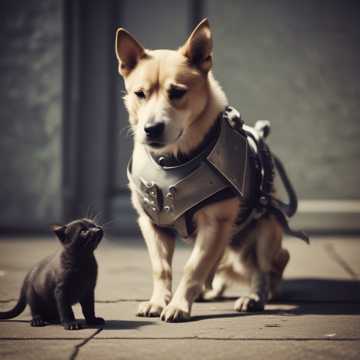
(63, 279)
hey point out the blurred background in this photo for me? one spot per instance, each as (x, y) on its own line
(63, 140)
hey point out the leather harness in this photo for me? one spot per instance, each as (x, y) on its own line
(233, 160)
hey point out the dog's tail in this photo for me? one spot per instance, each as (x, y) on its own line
(19, 307)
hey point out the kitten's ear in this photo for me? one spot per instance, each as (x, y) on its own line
(128, 51)
(198, 47)
(59, 231)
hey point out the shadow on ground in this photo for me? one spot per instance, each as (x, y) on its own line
(125, 324)
(109, 325)
(307, 296)
(320, 290)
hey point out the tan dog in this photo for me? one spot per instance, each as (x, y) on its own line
(173, 100)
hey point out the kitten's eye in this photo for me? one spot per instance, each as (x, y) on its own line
(83, 233)
(140, 94)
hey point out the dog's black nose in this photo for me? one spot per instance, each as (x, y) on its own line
(154, 130)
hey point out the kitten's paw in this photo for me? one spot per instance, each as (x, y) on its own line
(36, 322)
(149, 309)
(95, 321)
(72, 325)
(173, 313)
(249, 303)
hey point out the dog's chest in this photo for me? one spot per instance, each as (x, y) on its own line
(170, 195)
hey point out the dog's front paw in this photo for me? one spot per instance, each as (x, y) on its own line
(251, 303)
(149, 309)
(72, 325)
(95, 321)
(173, 313)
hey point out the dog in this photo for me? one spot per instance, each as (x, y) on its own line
(174, 101)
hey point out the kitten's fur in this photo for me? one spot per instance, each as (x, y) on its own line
(63, 279)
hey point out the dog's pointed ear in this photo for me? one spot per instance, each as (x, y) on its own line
(198, 47)
(59, 231)
(128, 51)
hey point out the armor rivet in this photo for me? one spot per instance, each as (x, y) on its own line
(149, 184)
(170, 196)
(154, 209)
(167, 208)
(152, 193)
(172, 189)
(263, 200)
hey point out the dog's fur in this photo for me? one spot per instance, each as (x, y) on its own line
(152, 77)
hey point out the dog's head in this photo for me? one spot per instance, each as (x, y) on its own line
(166, 89)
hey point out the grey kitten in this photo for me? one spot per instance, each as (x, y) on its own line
(63, 279)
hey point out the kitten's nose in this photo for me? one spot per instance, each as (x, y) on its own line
(154, 130)
(99, 232)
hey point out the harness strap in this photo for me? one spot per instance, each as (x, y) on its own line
(266, 202)
(290, 208)
(282, 210)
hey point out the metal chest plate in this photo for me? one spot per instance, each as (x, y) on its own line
(166, 194)
(230, 156)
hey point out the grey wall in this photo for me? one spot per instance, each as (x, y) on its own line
(30, 112)
(296, 63)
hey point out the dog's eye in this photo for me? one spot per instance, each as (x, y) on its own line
(176, 93)
(140, 94)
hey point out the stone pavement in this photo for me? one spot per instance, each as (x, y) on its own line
(317, 316)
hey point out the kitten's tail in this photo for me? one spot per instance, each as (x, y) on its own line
(19, 307)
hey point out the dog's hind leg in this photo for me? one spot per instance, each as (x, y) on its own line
(264, 248)
(160, 245)
(259, 292)
(277, 271)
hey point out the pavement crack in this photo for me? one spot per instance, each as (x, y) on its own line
(118, 301)
(77, 347)
(210, 338)
(330, 249)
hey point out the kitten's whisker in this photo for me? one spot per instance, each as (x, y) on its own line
(109, 222)
(95, 218)
(89, 211)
